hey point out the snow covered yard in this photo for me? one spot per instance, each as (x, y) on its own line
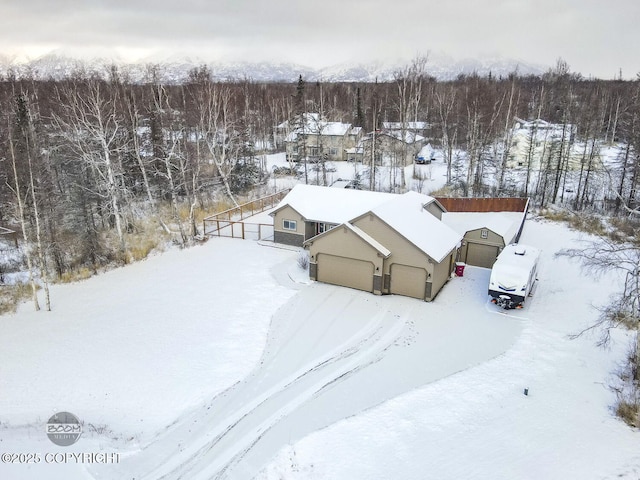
(166, 355)
(130, 350)
(331, 352)
(478, 423)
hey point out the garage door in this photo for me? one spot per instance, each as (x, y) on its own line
(481, 255)
(346, 272)
(408, 281)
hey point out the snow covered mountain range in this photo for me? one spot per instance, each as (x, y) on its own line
(176, 69)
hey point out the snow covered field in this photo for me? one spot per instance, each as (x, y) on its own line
(221, 361)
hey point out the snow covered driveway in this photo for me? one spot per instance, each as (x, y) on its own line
(478, 424)
(331, 353)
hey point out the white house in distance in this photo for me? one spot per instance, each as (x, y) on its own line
(320, 139)
(535, 143)
(393, 146)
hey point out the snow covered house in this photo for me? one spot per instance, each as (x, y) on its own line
(320, 139)
(415, 127)
(488, 225)
(393, 146)
(537, 143)
(377, 242)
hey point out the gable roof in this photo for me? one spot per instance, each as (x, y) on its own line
(381, 249)
(318, 126)
(505, 224)
(406, 215)
(331, 205)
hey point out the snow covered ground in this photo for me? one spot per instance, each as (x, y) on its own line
(221, 361)
(433, 176)
(478, 423)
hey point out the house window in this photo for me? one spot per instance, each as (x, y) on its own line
(323, 227)
(484, 233)
(333, 151)
(289, 225)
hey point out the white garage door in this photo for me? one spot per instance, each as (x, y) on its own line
(408, 281)
(346, 272)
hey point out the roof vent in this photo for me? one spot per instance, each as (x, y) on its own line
(520, 250)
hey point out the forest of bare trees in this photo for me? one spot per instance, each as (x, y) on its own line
(89, 163)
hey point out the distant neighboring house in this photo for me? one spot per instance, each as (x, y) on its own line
(415, 127)
(393, 146)
(320, 139)
(355, 154)
(378, 242)
(536, 143)
(487, 224)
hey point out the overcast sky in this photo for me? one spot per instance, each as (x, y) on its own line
(595, 37)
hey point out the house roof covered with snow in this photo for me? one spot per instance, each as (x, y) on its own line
(408, 137)
(505, 224)
(406, 214)
(315, 125)
(331, 205)
(384, 251)
(539, 129)
(407, 125)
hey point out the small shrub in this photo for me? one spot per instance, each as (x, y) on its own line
(582, 222)
(446, 191)
(303, 260)
(140, 248)
(75, 275)
(629, 411)
(12, 295)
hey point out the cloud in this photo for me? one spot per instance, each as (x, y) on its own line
(593, 36)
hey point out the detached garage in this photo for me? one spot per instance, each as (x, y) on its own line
(479, 254)
(487, 224)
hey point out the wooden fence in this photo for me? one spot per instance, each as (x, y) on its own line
(228, 223)
(240, 229)
(507, 204)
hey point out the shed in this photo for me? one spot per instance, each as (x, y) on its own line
(487, 224)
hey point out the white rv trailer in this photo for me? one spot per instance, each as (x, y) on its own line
(513, 275)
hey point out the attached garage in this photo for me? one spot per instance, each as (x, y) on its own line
(481, 255)
(347, 272)
(408, 281)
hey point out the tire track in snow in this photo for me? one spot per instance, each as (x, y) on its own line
(228, 427)
(208, 462)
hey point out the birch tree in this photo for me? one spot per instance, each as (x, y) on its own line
(92, 126)
(603, 256)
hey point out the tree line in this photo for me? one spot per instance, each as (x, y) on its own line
(84, 159)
